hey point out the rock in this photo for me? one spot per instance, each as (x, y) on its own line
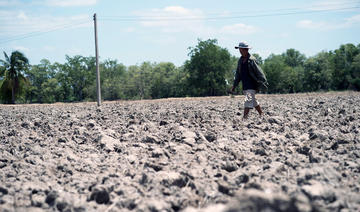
(157, 153)
(210, 208)
(303, 150)
(56, 157)
(37, 123)
(319, 191)
(242, 179)
(150, 139)
(274, 120)
(51, 197)
(318, 134)
(211, 137)
(266, 166)
(144, 179)
(100, 195)
(342, 111)
(334, 146)
(313, 159)
(107, 143)
(61, 205)
(189, 137)
(173, 179)
(225, 188)
(230, 166)
(253, 200)
(2, 165)
(260, 152)
(25, 125)
(156, 167)
(253, 185)
(91, 124)
(162, 123)
(3, 190)
(129, 204)
(37, 199)
(62, 140)
(156, 205)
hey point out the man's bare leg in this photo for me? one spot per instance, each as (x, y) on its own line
(246, 112)
(258, 108)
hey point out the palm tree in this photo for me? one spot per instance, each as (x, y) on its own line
(12, 74)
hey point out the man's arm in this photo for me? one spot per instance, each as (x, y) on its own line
(258, 72)
(237, 77)
(260, 77)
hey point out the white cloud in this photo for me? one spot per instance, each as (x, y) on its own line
(176, 19)
(309, 24)
(129, 29)
(239, 29)
(321, 25)
(21, 48)
(8, 3)
(49, 48)
(75, 51)
(22, 16)
(333, 4)
(70, 3)
(354, 19)
(21, 23)
(172, 18)
(284, 35)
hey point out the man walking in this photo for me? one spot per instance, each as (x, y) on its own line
(252, 77)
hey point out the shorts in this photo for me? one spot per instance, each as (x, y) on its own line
(250, 100)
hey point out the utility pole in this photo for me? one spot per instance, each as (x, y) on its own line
(98, 88)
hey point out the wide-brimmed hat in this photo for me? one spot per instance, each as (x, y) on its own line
(243, 45)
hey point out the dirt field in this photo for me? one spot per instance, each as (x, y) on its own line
(193, 154)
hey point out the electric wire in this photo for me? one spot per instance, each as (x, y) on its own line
(215, 18)
(316, 8)
(209, 17)
(41, 32)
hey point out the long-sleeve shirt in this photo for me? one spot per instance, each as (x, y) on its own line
(254, 71)
(247, 81)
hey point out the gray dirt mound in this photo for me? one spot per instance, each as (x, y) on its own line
(193, 154)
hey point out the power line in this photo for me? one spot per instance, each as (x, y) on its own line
(210, 17)
(316, 8)
(218, 17)
(41, 32)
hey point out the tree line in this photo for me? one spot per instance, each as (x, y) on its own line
(209, 71)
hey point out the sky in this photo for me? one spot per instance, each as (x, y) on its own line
(136, 31)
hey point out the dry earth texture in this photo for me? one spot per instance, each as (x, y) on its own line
(193, 154)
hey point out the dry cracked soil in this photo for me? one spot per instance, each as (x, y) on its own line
(190, 154)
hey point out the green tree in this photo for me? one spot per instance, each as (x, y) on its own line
(139, 79)
(64, 79)
(285, 72)
(273, 67)
(50, 90)
(342, 60)
(259, 60)
(293, 58)
(37, 75)
(178, 81)
(113, 80)
(206, 68)
(318, 74)
(144, 80)
(161, 80)
(355, 72)
(131, 84)
(81, 73)
(13, 79)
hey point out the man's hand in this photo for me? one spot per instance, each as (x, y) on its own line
(231, 91)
